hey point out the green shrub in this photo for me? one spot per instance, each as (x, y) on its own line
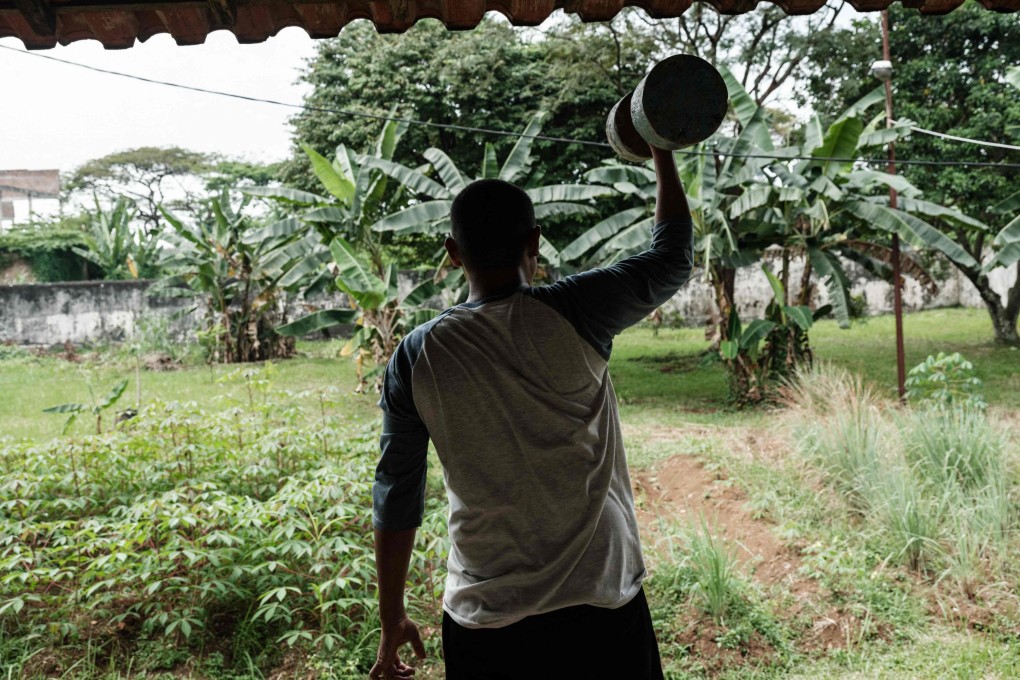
(717, 583)
(954, 447)
(945, 380)
(48, 248)
(845, 434)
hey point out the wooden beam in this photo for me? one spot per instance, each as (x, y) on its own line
(225, 12)
(39, 15)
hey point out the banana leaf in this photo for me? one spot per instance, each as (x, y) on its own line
(340, 186)
(829, 268)
(801, 315)
(317, 321)
(409, 178)
(490, 164)
(638, 235)
(861, 105)
(913, 230)
(285, 195)
(566, 192)
(519, 160)
(547, 210)
(366, 289)
(417, 219)
(548, 252)
(755, 332)
(611, 174)
(741, 102)
(447, 170)
(111, 397)
(1010, 204)
(840, 142)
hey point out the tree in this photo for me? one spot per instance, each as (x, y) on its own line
(746, 197)
(354, 223)
(433, 216)
(144, 174)
(345, 244)
(765, 49)
(951, 77)
(115, 246)
(235, 264)
(491, 77)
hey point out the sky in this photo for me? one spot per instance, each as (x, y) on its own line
(53, 115)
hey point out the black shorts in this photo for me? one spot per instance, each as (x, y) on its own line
(575, 642)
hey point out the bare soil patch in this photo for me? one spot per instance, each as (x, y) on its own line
(684, 489)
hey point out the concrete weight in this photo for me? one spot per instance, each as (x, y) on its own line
(680, 102)
(622, 136)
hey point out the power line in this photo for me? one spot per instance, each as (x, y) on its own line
(503, 133)
(968, 140)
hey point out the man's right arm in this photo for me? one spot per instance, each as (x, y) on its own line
(601, 303)
(670, 199)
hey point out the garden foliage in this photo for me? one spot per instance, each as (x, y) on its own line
(249, 526)
(935, 486)
(946, 380)
(235, 265)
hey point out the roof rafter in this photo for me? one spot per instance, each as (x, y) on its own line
(38, 14)
(119, 24)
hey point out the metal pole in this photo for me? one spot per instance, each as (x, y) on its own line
(901, 370)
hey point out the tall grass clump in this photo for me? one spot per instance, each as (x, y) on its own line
(842, 431)
(934, 485)
(717, 583)
(961, 457)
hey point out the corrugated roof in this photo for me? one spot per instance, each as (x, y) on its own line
(117, 24)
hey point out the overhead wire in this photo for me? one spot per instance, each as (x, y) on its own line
(968, 140)
(509, 133)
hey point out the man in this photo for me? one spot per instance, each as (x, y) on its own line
(512, 387)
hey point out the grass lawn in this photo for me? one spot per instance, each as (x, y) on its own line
(812, 592)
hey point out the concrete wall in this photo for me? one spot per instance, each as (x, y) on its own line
(86, 311)
(110, 311)
(695, 303)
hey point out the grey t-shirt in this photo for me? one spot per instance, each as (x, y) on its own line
(515, 394)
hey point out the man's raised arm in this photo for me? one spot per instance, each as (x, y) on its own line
(601, 303)
(670, 199)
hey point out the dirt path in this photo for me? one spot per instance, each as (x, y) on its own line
(682, 490)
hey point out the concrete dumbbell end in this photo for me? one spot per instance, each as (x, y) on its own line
(623, 137)
(680, 102)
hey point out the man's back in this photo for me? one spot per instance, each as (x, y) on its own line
(523, 415)
(513, 389)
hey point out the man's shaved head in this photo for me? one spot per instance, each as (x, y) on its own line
(491, 221)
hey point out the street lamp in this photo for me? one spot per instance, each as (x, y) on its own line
(883, 70)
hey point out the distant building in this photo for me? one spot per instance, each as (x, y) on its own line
(25, 194)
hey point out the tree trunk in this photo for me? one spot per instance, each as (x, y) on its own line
(1004, 317)
(723, 281)
(805, 283)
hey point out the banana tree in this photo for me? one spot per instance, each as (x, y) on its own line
(826, 208)
(767, 351)
(381, 312)
(356, 195)
(430, 213)
(368, 203)
(341, 248)
(237, 265)
(115, 246)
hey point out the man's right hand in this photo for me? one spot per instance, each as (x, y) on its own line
(388, 665)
